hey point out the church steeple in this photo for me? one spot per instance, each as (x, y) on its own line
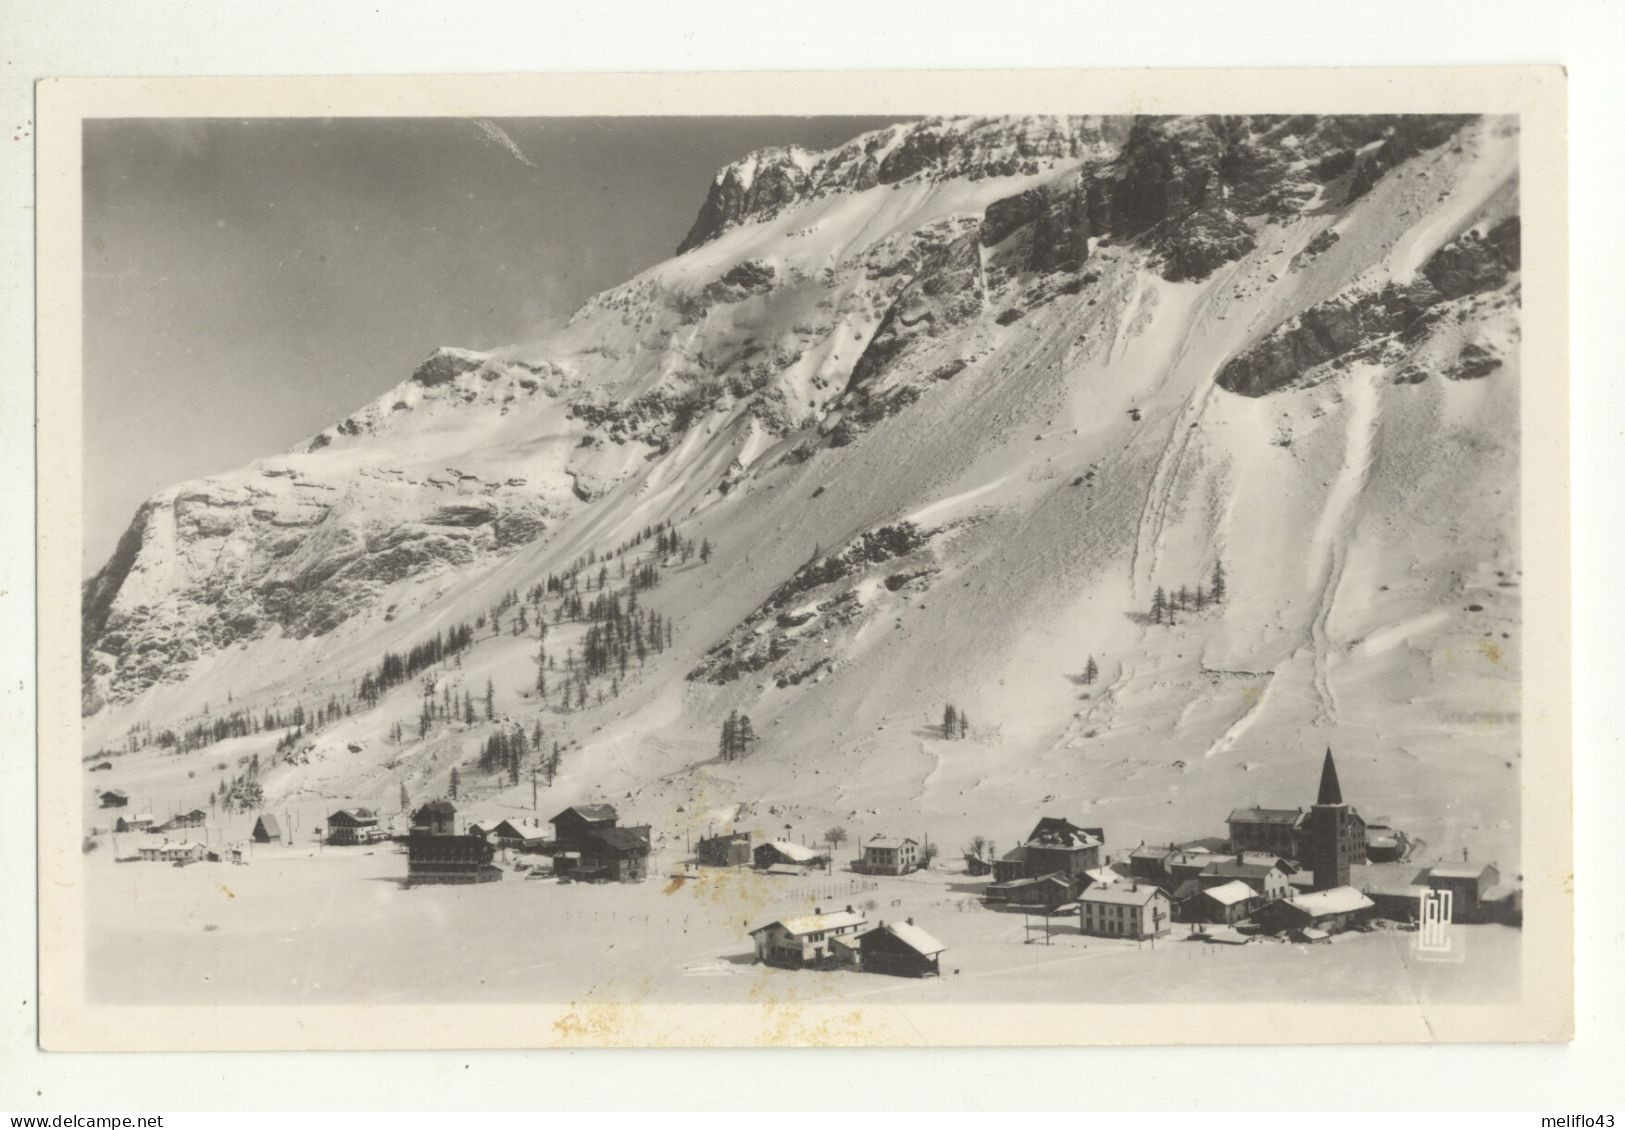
(1330, 791)
(1334, 833)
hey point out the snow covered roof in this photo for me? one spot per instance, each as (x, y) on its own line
(1231, 869)
(1102, 876)
(915, 938)
(1458, 870)
(1120, 895)
(591, 812)
(1229, 894)
(1264, 816)
(526, 829)
(797, 853)
(1337, 900)
(890, 843)
(816, 923)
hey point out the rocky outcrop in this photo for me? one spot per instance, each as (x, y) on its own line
(1406, 136)
(1358, 319)
(1058, 216)
(767, 182)
(1474, 263)
(948, 290)
(773, 632)
(446, 364)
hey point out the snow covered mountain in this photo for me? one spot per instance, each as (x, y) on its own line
(949, 404)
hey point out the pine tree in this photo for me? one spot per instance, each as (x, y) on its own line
(744, 735)
(705, 551)
(1090, 671)
(964, 723)
(950, 721)
(406, 801)
(456, 779)
(730, 727)
(1201, 598)
(490, 701)
(1217, 588)
(468, 707)
(1183, 601)
(1159, 605)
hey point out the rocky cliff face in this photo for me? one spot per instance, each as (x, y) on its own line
(765, 183)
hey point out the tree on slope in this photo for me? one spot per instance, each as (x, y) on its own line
(1159, 606)
(729, 741)
(456, 779)
(1217, 588)
(1091, 672)
(950, 721)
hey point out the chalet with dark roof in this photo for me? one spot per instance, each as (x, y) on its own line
(573, 826)
(437, 818)
(900, 949)
(730, 849)
(266, 829)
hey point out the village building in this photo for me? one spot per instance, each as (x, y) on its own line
(1102, 877)
(1054, 847)
(140, 822)
(730, 849)
(1267, 881)
(977, 865)
(266, 829)
(1226, 904)
(195, 818)
(519, 835)
(1146, 862)
(1042, 893)
(900, 949)
(448, 858)
(1185, 865)
(1273, 830)
(1057, 845)
(353, 826)
(575, 824)
(1396, 891)
(1134, 910)
(1474, 888)
(1010, 866)
(435, 856)
(884, 855)
(113, 798)
(437, 818)
(170, 851)
(784, 853)
(815, 940)
(1326, 912)
(618, 855)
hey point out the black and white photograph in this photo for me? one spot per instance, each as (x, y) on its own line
(812, 577)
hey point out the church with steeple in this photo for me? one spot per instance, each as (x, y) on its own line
(1333, 834)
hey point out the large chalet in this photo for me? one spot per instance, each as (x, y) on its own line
(592, 846)
(1054, 856)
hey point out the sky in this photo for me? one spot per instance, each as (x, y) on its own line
(248, 283)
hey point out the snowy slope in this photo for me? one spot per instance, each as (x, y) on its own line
(1102, 367)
